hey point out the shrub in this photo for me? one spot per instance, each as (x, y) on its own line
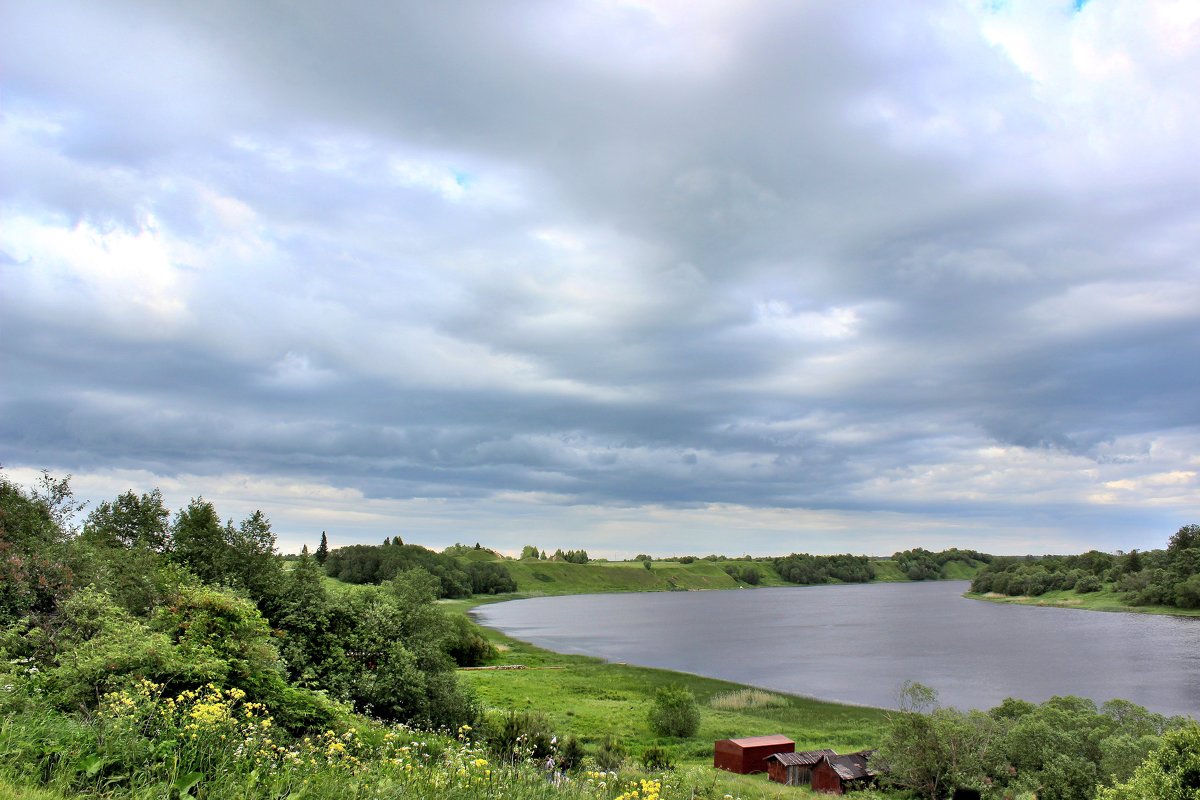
(516, 736)
(467, 646)
(610, 755)
(570, 753)
(1086, 584)
(675, 712)
(655, 758)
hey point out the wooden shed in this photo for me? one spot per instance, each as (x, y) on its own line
(795, 769)
(744, 756)
(839, 774)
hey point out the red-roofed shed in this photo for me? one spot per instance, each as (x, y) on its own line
(744, 756)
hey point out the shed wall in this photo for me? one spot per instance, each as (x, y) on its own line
(824, 779)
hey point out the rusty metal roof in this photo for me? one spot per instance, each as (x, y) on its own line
(851, 767)
(803, 759)
(762, 741)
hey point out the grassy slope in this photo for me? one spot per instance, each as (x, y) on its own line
(592, 699)
(1103, 600)
(536, 577)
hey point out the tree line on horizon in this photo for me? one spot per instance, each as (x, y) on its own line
(1169, 577)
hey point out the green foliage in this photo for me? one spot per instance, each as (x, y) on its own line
(570, 754)
(130, 521)
(571, 556)
(745, 573)
(1062, 749)
(515, 736)
(1170, 772)
(33, 572)
(529, 551)
(610, 754)
(467, 645)
(322, 551)
(655, 758)
(198, 541)
(490, 577)
(806, 569)
(675, 712)
(362, 563)
(214, 626)
(1169, 578)
(93, 647)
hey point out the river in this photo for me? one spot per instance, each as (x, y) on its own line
(859, 643)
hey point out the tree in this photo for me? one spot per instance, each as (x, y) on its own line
(56, 495)
(1185, 538)
(675, 712)
(130, 521)
(1172, 772)
(198, 541)
(529, 551)
(322, 550)
(33, 576)
(935, 753)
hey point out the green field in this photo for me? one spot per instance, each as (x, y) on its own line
(1103, 600)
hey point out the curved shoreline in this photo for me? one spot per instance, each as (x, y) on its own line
(1081, 602)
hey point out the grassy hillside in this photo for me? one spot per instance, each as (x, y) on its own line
(560, 577)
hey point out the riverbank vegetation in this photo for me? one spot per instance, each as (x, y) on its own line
(1160, 581)
(150, 654)
(1066, 747)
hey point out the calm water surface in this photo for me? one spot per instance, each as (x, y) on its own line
(857, 644)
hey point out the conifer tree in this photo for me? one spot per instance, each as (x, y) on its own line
(322, 550)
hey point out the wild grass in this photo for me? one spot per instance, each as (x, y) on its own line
(746, 699)
(211, 744)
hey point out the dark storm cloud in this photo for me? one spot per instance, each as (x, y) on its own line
(842, 257)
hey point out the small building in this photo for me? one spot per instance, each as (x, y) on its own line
(839, 774)
(795, 769)
(748, 755)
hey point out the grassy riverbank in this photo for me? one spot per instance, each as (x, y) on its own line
(593, 699)
(1103, 600)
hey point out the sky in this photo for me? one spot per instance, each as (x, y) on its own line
(630, 276)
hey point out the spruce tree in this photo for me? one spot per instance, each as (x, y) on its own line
(322, 549)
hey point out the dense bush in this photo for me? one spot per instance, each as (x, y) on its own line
(1064, 748)
(364, 563)
(746, 573)
(490, 577)
(807, 569)
(675, 712)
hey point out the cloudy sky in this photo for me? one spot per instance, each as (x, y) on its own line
(685, 276)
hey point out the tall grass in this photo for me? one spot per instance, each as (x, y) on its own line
(746, 699)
